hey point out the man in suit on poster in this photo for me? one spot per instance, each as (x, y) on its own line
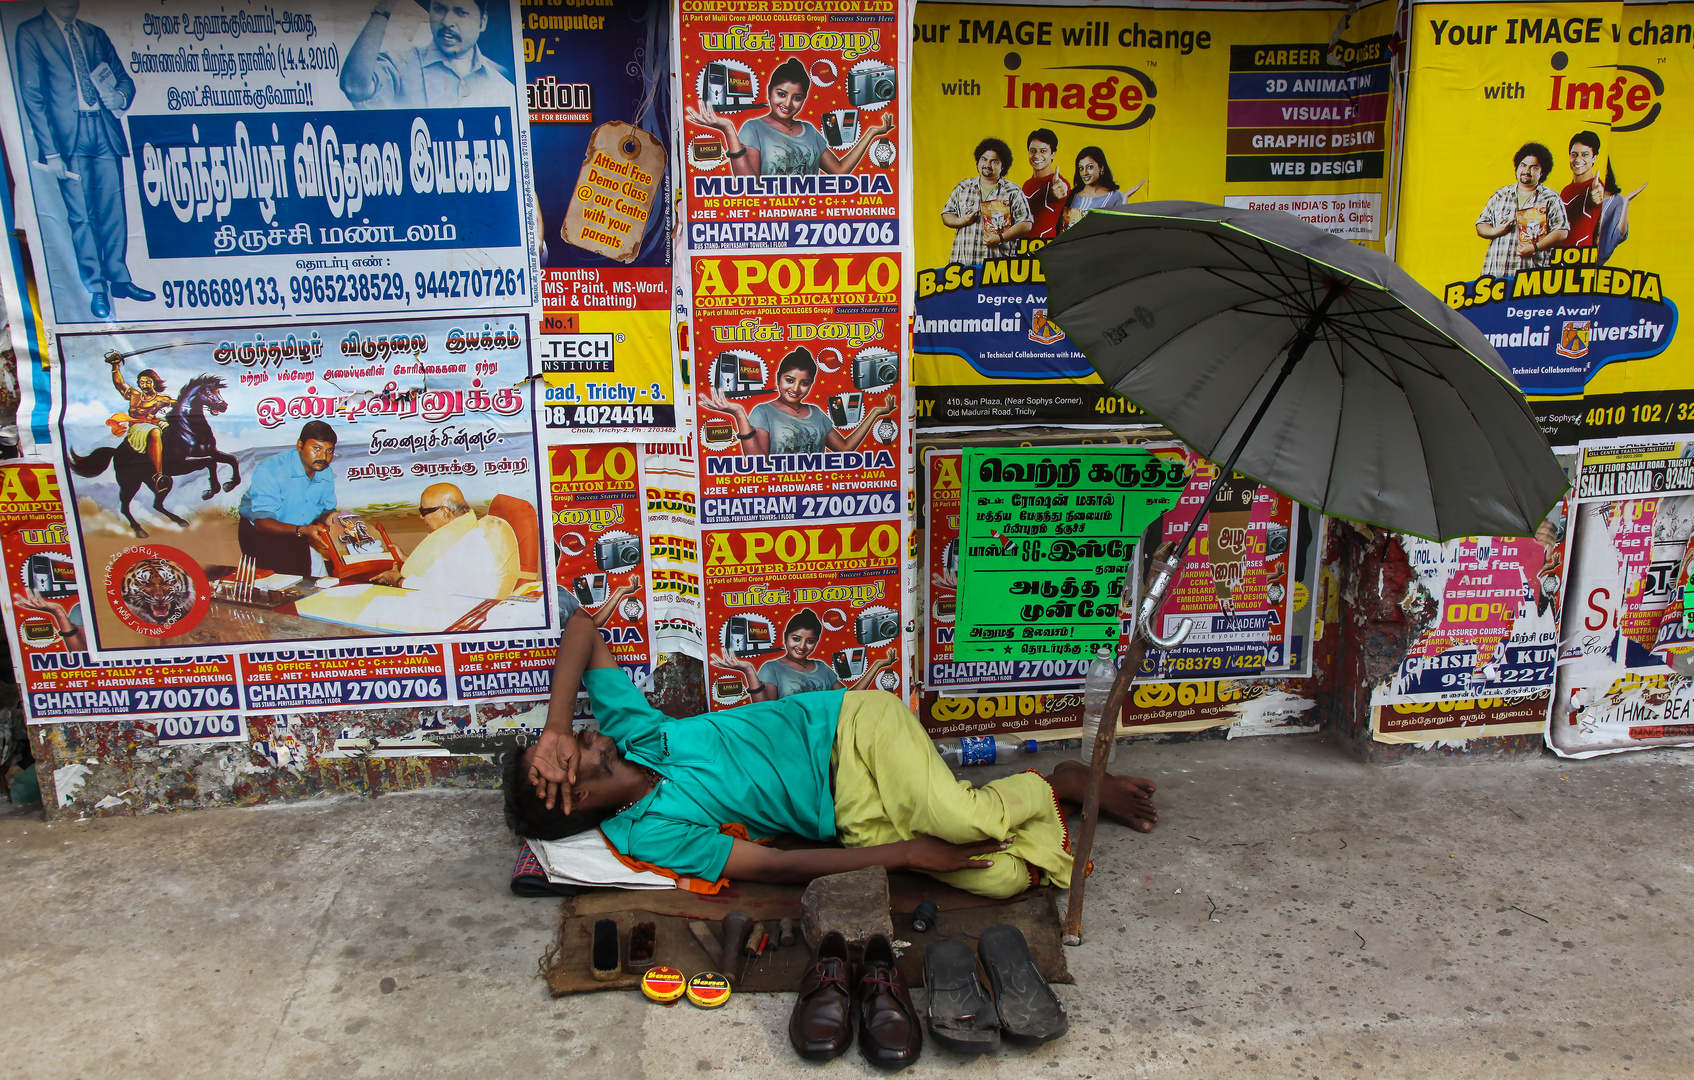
(74, 86)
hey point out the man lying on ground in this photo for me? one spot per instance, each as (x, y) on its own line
(686, 797)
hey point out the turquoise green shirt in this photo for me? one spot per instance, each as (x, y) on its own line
(764, 766)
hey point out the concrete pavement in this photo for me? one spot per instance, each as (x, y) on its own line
(1296, 914)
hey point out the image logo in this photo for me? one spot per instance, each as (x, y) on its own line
(1041, 331)
(1573, 342)
(1112, 98)
(1628, 96)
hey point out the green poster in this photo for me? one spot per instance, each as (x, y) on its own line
(1046, 536)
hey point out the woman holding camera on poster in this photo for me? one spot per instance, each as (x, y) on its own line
(788, 424)
(795, 672)
(780, 143)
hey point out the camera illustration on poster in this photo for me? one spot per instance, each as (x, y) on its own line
(336, 161)
(1541, 214)
(790, 108)
(287, 483)
(600, 547)
(60, 680)
(802, 608)
(1035, 116)
(797, 387)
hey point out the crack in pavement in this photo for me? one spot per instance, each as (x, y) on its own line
(305, 969)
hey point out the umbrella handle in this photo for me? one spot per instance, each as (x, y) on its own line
(1155, 597)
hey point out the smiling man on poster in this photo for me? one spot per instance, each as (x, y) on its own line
(462, 554)
(451, 71)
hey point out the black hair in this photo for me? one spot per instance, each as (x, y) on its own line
(1045, 135)
(1539, 153)
(317, 429)
(800, 359)
(481, 5)
(1586, 138)
(1098, 155)
(527, 815)
(793, 71)
(1611, 182)
(1000, 148)
(804, 619)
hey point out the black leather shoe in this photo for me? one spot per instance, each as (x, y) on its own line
(129, 290)
(821, 1025)
(98, 305)
(890, 1035)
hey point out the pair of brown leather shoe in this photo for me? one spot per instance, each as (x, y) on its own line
(821, 1025)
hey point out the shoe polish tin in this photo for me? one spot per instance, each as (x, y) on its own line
(663, 984)
(708, 989)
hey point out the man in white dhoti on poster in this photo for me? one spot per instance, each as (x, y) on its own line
(463, 554)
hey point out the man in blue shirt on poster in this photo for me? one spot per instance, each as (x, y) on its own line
(450, 72)
(282, 513)
(74, 85)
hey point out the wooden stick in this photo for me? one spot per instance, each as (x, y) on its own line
(1102, 749)
(1096, 780)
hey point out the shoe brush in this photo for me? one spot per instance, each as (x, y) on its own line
(643, 937)
(604, 956)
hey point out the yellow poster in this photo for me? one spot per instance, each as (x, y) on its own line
(1543, 146)
(1031, 117)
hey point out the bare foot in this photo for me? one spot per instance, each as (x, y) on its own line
(1126, 800)
(1147, 787)
(1126, 804)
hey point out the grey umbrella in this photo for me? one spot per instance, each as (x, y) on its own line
(1319, 367)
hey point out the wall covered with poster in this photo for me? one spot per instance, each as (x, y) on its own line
(294, 273)
(1543, 147)
(1250, 673)
(793, 136)
(1034, 115)
(248, 163)
(665, 326)
(598, 90)
(315, 495)
(1626, 654)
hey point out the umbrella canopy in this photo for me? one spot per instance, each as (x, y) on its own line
(1399, 414)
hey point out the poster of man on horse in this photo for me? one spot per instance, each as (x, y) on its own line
(296, 482)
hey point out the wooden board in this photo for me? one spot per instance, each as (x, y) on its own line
(566, 965)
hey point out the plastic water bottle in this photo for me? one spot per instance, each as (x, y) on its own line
(1096, 688)
(984, 750)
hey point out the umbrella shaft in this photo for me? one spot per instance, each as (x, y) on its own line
(1072, 927)
(1296, 350)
